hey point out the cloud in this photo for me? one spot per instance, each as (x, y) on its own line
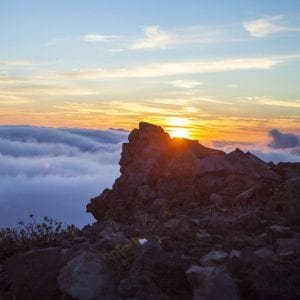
(284, 147)
(154, 38)
(186, 84)
(235, 144)
(181, 68)
(283, 140)
(54, 172)
(15, 63)
(266, 26)
(260, 150)
(262, 100)
(99, 38)
(232, 86)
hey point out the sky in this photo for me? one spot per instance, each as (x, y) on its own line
(76, 76)
(219, 70)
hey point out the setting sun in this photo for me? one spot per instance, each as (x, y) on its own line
(178, 127)
(179, 132)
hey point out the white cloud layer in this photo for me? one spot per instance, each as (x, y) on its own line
(54, 172)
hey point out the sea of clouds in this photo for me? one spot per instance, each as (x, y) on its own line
(55, 171)
(282, 147)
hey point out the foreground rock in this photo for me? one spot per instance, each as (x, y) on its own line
(181, 222)
(86, 277)
(212, 283)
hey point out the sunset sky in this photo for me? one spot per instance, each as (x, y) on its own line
(219, 70)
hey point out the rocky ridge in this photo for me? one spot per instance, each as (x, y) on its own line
(183, 221)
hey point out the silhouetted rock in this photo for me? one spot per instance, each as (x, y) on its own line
(86, 277)
(212, 283)
(33, 274)
(156, 275)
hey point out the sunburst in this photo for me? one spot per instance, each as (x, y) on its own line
(178, 128)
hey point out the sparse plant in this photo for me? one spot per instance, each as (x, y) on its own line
(32, 234)
(121, 258)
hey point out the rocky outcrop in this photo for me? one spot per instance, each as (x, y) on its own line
(183, 221)
(158, 172)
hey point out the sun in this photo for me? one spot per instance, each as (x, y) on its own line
(179, 133)
(178, 128)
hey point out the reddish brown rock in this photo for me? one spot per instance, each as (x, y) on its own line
(181, 171)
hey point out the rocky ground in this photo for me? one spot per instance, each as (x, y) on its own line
(181, 222)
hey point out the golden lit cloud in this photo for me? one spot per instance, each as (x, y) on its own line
(186, 84)
(274, 102)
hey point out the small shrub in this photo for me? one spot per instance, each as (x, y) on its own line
(121, 258)
(32, 234)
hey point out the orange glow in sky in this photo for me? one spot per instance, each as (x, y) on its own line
(193, 74)
(178, 128)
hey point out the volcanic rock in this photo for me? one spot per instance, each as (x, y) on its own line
(212, 283)
(182, 172)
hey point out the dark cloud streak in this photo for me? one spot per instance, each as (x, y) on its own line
(283, 140)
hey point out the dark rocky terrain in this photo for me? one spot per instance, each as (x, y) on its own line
(181, 222)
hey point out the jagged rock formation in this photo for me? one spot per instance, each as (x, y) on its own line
(159, 173)
(181, 222)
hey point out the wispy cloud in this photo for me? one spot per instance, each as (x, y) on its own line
(266, 26)
(154, 37)
(186, 84)
(15, 63)
(180, 68)
(46, 90)
(232, 86)
(99, 38)
(263, 100)
(8, 100)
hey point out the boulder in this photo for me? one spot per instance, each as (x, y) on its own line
(287, 246)
(33, 274)
(234, 254)
(87, 277)
(264, 253)
(212, 283)
(215, 257)
(156, 275)
(277, 231)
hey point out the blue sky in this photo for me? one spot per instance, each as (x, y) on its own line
(224, 67)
